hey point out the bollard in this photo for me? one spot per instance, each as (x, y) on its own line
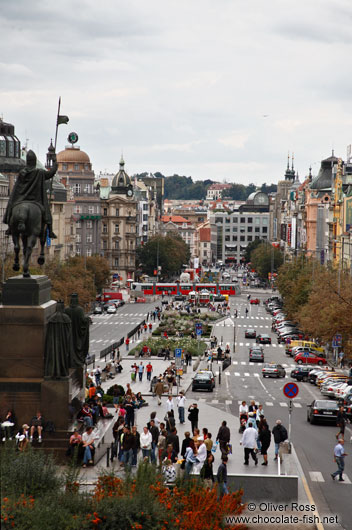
(112, 451)
(108, 457)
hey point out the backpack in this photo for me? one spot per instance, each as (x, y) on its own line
(283, 433)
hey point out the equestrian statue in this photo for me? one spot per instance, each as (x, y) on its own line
(28, 213)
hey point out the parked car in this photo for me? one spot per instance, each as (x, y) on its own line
(309, 358)
(111, 309)
(98, 310)
(301, 373)
(314, 374)
(203, 380)
(263, 339)
(254, 301)
(250, 333)
(348, 407)
(273, 370)
(322, 410)
(256, 355)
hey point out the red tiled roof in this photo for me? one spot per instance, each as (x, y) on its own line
(174, 219)
(204, 234)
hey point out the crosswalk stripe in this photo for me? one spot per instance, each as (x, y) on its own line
(234, 362)
(274, 345)
(346, 479)
(297, 405)
(269, 404)
(227, 373)
(237, 374)
(215, 401)
(282, 404)
(256, 375)
(246, 374)
(243, 363)
(316, 476)
(228, 401)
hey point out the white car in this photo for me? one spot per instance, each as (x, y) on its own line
(111, 309)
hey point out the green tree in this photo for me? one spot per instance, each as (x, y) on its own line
(99, 268)
(294, 282)
(263, 257)
(249, 249)
(170, 252)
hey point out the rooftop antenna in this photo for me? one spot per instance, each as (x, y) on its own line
(293, 161)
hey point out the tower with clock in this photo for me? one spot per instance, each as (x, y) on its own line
(121, 183)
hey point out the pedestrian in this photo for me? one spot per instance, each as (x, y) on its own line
(127, 342)
(221, 476)
(146, 443)
(128, 390)
(170, 406)
(209, 442)
(170, 421)
(136, 445)
(223, 437)
(150, 325)
(140, 371)
(246, 311)
(173, 439)
(170, 379)
(339, 458)
(280, 435)
(350, 373)
(161, 444)
(147, 316)
(264, 437)
(341, 419)
(201, 451)
(186, 442)
(249, 443)
(149, 370)
(133, 373)
(193, 416)
(169, 472)
(342, 359)
(129, 407)
(97, 375)
(181, 400)
(145, 327)
(158, 390)
(243, 411)
(206, 473)
(190, 458)
(127, 441)
(154, 431)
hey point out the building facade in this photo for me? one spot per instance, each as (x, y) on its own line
(76, 173)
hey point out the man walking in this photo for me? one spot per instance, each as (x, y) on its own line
(170, 405)
(280, 435)
(223, 438)
(339, 458)
(249, 443)
(140, 371)
(221, 476)
(154, 431)
(159, 389)
(149, 369)
(181, 400)
(193, 416)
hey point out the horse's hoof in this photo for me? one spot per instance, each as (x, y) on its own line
(26, 275)
(15, 267)
(41, 260)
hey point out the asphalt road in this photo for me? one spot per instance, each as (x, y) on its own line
(313, 443)
(107, 329)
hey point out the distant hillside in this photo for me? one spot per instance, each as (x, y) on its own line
(178, 187)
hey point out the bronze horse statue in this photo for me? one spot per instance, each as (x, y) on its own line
(28, 214)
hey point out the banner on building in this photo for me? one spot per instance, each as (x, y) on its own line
(289, 233)
(348, 213)
(293, 232)
(283, 232)
(196, 263)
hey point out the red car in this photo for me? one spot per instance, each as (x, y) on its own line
(255, 301)
(310, 358)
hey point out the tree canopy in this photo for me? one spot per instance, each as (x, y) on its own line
(263, 257)
(173, 252)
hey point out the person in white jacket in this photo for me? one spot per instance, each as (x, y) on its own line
(201, 452)
(181, 403)
(249, 443)
(146, 442)
(170, 406)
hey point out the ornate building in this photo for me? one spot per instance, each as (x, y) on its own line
(119, 224)
(75, 172)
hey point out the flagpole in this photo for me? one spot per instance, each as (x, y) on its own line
(57, 119)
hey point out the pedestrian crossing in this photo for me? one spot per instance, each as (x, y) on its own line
(238, 402)
(317, 476)
(245, 363)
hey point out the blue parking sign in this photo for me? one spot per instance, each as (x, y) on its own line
(199, 328)
(178, 353)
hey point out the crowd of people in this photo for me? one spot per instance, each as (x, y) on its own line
(26, 433)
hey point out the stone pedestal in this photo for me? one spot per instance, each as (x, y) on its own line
(24, 315)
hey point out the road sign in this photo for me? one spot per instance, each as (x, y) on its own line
(178, 353)
(291, 390)
(306, 354)
(199, 328)
(337, 341)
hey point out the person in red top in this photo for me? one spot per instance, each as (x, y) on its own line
(165, 335)
(145, 328)
(145, 350)
(150, 327)
(127, 342)
(149, 370)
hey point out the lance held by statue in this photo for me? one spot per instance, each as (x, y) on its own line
(28, 213)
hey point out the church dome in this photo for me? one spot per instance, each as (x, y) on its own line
(73, 155)
(121, 179)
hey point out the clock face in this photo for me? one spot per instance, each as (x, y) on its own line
(261, 199)
(129, 193)
(73, 138)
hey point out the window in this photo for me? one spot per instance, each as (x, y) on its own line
(227, 229)
(76, 188)
(78, 224)
(205, 245)
(105, 211)
(250, 229)
(105, 228)
(235, 219)
(105, 244)
(78, 238)
(64, 167)
(265, 229)
(89, 224)
(89, 238)
(117, 245)
(145, 217)
(227, 238)
(234, 229)
(234, 238)
(78, 208)
(86, 166)
(117, 228)
(88, 188)
(249, 238)
(243, 220)
(218, 220)
(257, 229)
(116, 262)
(265, 221)
(90, 209)
(145, 228)
(145, 207)
(249, 219)
(78, 250)
(117, 212)
(88, 252)
(257, 220)
(227, 220)
(242, 238)
(76, 167)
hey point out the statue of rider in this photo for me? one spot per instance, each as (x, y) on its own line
(30, 187)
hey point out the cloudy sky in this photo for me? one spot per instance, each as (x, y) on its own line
(218, 89)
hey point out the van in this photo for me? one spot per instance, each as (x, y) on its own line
(305, 344)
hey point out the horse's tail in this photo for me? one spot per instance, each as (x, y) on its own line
(21, 220)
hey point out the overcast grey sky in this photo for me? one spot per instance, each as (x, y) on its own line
(218, 89)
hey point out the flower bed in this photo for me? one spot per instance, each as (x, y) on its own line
(174, 321)
(194, 346)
